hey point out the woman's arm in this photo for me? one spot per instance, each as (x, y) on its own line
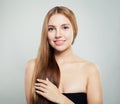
(94, 90)
(52, 92)
(28, 78)
(48, 90)
(65, 100)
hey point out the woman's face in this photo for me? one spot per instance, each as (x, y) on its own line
(60, 32)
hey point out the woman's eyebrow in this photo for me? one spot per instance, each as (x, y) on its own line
(61, 25)
(65, 24)
(51, 26)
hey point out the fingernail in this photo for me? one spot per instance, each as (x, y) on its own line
(36, 91)
(38, 79)
(47, 79)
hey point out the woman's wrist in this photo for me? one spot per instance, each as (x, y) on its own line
(61, 99)
(64, 100)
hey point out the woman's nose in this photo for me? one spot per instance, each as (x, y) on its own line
(58, 33)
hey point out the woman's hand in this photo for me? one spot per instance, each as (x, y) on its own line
(48, 90)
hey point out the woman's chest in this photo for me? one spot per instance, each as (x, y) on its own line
(73, 79)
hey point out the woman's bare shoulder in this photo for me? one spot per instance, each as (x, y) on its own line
(30, 64)
(29, 68)
(89, 66)
(92, 69)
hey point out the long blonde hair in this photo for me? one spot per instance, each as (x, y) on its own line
(45, 64)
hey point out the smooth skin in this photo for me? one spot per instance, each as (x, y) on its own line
(77, 74)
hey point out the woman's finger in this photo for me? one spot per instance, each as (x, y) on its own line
(42, 81)
(40, 89)
(41, 85)
(40, 92)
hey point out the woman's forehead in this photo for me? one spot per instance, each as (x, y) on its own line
(58, 19)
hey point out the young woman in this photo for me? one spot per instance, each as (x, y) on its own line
(57, 75)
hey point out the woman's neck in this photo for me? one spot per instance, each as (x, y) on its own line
(64, 56)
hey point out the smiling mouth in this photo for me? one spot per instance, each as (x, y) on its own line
(59, 42)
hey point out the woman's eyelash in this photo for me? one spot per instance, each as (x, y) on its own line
(66, 27)
(50, 29)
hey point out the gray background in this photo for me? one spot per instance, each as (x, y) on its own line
(97, 41)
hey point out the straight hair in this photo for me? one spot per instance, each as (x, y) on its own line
(45, 63)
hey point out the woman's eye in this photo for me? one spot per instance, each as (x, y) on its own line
(66, 27)
(50, 29)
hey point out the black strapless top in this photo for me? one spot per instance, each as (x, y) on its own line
(77, 98)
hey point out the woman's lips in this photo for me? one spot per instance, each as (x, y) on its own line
(59, 42)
